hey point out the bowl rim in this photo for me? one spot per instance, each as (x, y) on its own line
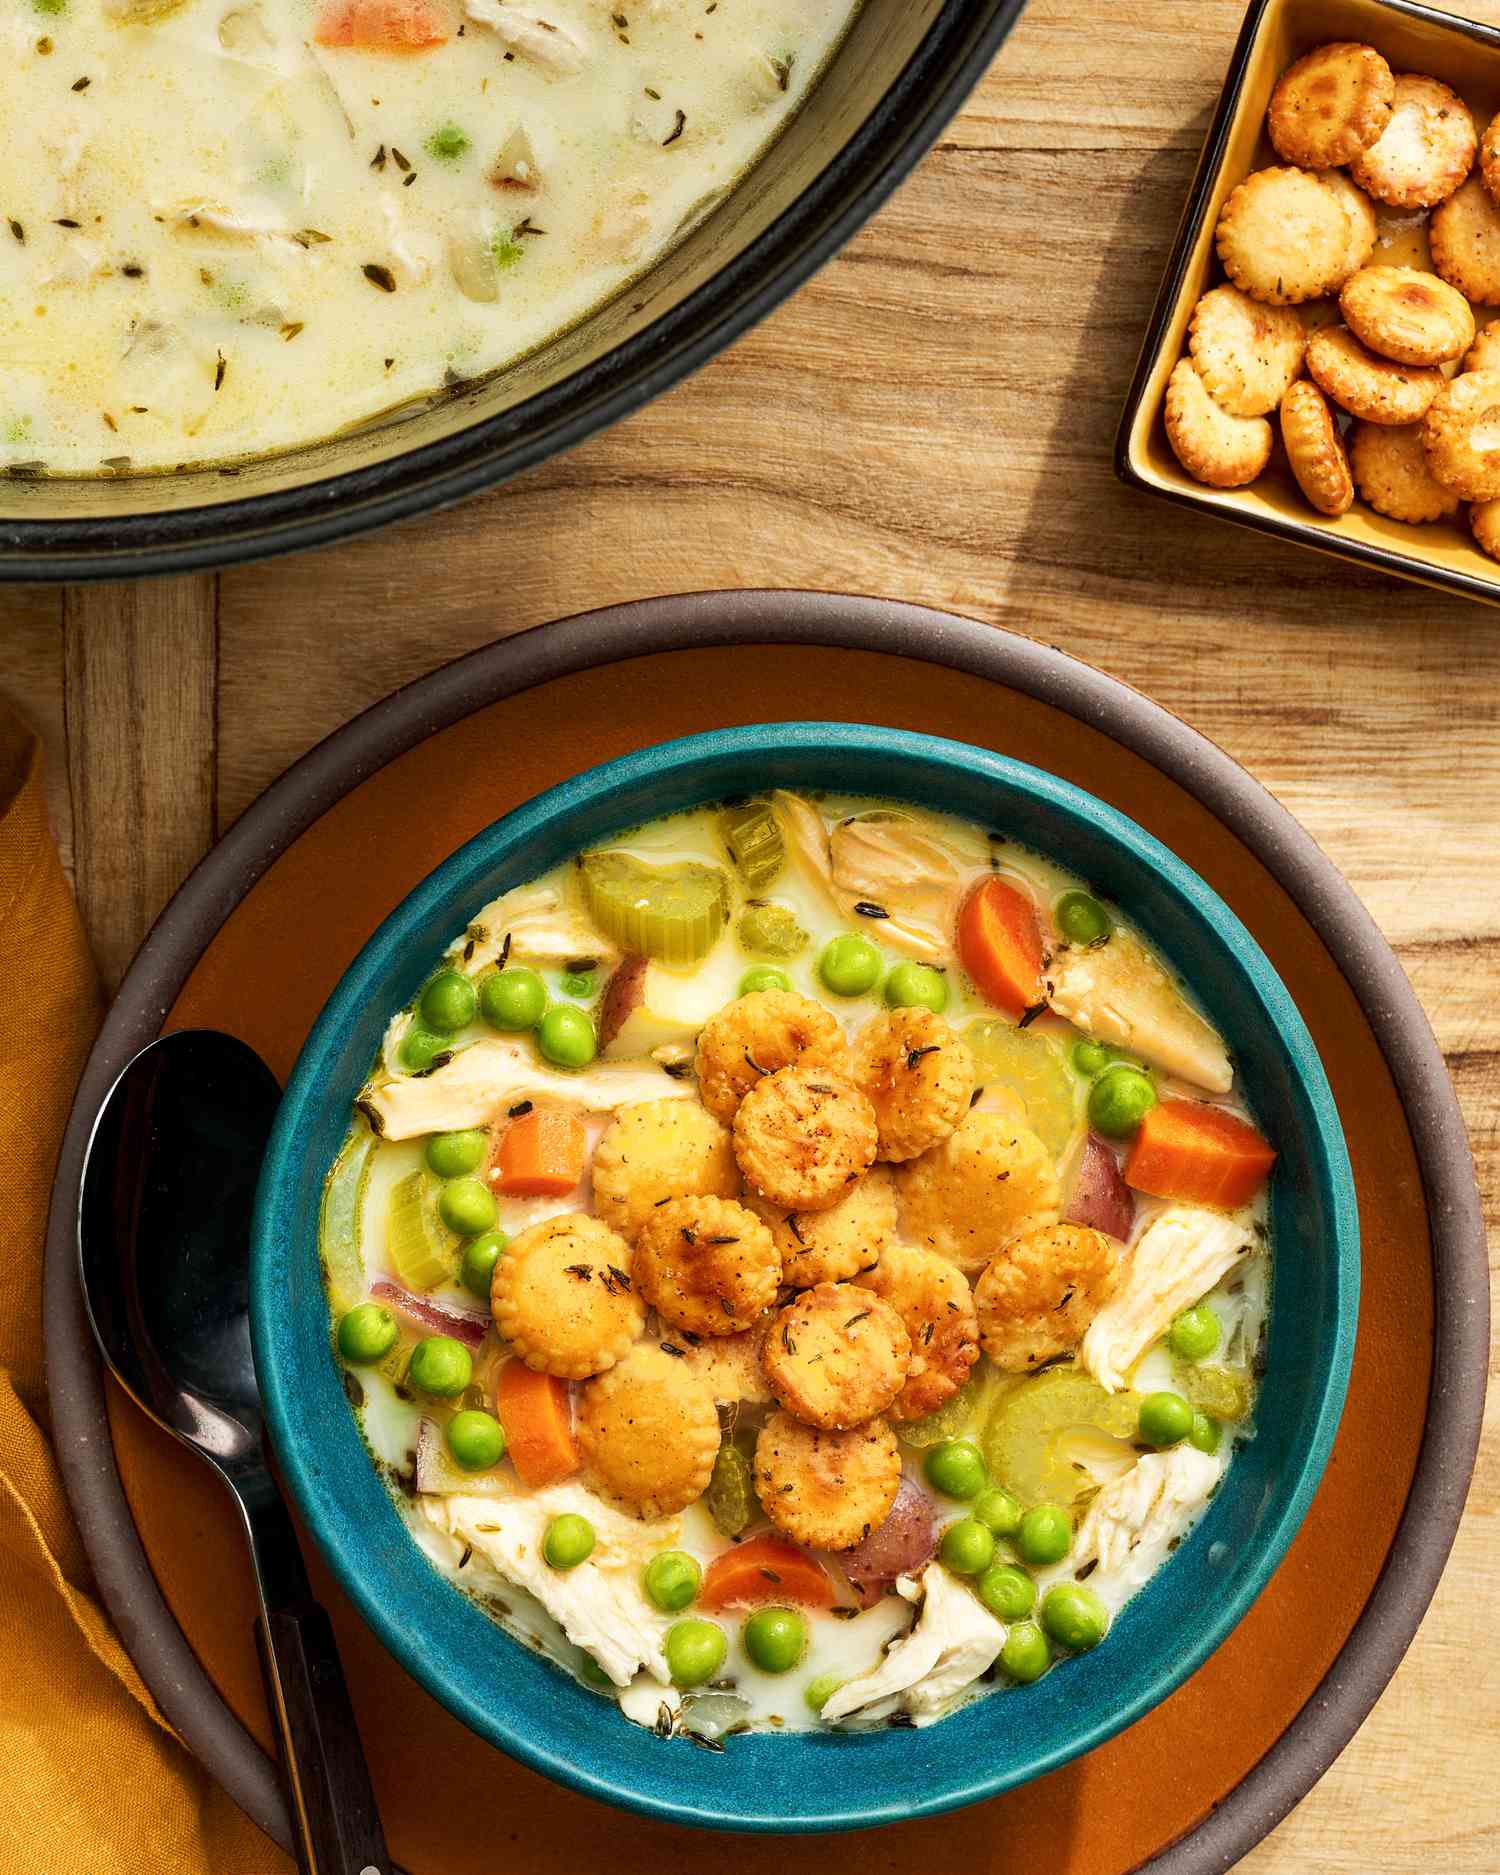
(951, 58)
(1130, 465)
(451, 891)
(1334, 1712)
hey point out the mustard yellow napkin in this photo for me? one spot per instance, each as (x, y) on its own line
(95, 1781)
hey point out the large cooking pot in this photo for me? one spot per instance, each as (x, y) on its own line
(899, 76)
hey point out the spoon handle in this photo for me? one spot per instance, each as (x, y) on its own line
(328, 1783)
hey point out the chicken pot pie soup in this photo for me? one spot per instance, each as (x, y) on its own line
(250, 224)
(801, 1263)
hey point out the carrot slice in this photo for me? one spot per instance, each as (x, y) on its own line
(541, 1153)
(1000, 945)
(1200, 1154)
(383, 25)
(533, 1408)
(765, 1570)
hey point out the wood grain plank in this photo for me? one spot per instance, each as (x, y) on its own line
(140, 667)
(31, 681)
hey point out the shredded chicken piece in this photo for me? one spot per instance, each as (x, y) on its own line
(530, 925)
(560, 50)
(1132, 1522)
(620, 229)
(488, 1074)
(926, 1673)
(1121, 994)
(1178, 1258)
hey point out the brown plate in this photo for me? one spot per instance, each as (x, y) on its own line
(258, 936)
(1412, 38)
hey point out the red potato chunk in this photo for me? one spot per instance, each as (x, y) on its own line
(1101, 1199)
(901, 1546)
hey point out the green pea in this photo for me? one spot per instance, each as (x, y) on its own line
(591, 1673)
(1025, 1655)
(579, 983)
(447, 143)
(366, 1334)
(764, 977)
(1045, 1535)
(566, 1037)
(1091, 1058)
(440, 1366)
(476, 1440)
(1195, 1334)
(695, 1651)
(467, 1206)
(1165, 1418)
(450, 1155)
(967, 1547)
(567, 1541)
(956, 1468)
(1081, 918)
(849, 966)
(917, 986)
(513, 999)
(1205, 1433)
(775, 1639)
(672, 1581)
(997, 1510)
(1074, 1616)
(481, 1254)
(420, 1048)
(818, 1692)
(1119, 1100)
(448, 1003)
(1008, 1592)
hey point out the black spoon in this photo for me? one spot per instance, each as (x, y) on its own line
(164, 1256)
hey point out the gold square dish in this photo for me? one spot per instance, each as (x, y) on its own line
(1412, 38)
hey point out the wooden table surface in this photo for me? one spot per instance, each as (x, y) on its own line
(930, 419)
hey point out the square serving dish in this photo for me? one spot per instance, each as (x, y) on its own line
(1413, 38)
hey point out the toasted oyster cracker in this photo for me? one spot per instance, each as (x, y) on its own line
(1484, 520)
(1424, 152)
(1489, 158)
(802, 1136)
(991, 1181)
(657, 1149)
(1040, 1293)
(1331, 104)
(731, 1363)
(1315, 449)
(1245, 353)
(1364, 224)
(1390, 471)
(563, 1297)
(1484, 353)
(1213, 446)
(706, 1264)
(1283, 237)
(1407, 315)
(649, 1432)
(1464, 235)
(836, 1356)
(917, 1075)
(1461, 435)
(935, 1303)
(828, 1490)
(1375, 389)
(833, 1245)
(757, 1034)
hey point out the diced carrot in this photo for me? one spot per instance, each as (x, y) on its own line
(1000, 945)
(383, 25)
(533, 1408)
(541, 1153)
(765, 1570)
(1200, 1154)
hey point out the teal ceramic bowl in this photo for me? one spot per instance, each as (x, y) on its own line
(816, 1781)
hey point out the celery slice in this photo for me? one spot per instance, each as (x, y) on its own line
(1221, 1392)
(730, 1496)
(422, 1249)
(1031, 1065)
(770, 931)
(339, 1224)
(755, 844)
(672, 913)
(963, 1415)
(1041, 1433)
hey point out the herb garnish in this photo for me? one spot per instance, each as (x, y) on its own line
(867, 909)
(18, 231)
(677, 129)
(379, 276)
